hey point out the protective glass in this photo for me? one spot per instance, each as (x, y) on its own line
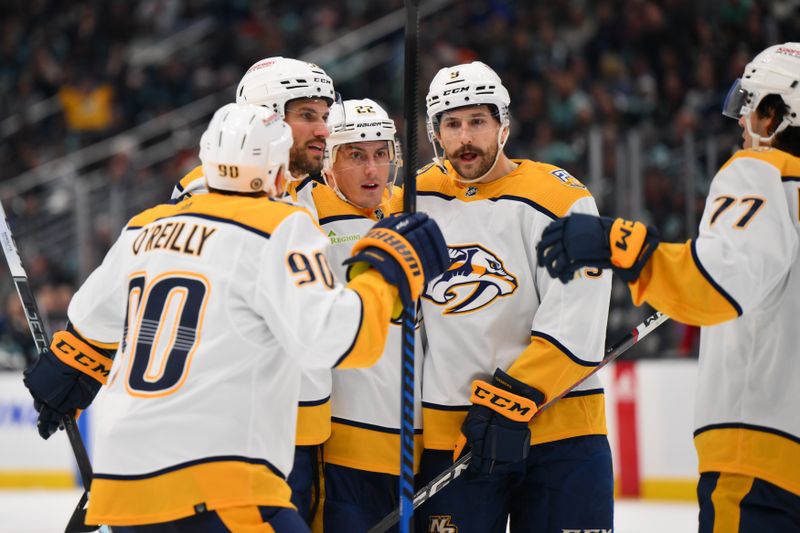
(737, 101)
(348, 156)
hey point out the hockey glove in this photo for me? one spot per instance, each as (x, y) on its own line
(63, 379)
(407, 250)
(496, 427)
(577, 241)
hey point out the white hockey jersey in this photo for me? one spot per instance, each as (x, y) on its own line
(741, 280)
(217, 302)
(495, 309)
(314, 413)
(365, 403)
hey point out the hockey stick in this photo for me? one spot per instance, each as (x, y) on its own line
(42, 340)
(411, 66)
(442, 480)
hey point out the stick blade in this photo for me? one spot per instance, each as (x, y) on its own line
(77, 522)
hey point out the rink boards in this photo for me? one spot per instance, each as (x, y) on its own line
(649, 412)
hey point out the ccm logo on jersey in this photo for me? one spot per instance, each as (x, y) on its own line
(441, 524)
(476, 278)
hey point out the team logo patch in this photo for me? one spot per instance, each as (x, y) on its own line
(441, 524)
(476, 278)
(567, 178)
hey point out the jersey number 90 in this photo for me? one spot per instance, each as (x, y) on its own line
(163, 320)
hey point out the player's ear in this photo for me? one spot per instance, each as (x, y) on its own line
(504, 135)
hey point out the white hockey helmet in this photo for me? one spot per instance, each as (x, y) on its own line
(776, 70)
(274, 81)
(466, 85)
(354, 121)
(244, 149)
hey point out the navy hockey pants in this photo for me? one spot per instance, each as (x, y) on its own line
(272, 519)
(304, 480)
(735, 503)
(356, 500)
(563, 485)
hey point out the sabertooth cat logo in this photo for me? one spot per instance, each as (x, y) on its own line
(475, 279)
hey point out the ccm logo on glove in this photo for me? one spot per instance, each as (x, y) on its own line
(510, 405)
(79, 356)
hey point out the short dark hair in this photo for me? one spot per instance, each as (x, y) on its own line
(788, 140)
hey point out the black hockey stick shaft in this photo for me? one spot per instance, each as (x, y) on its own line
(442, 480)
(410, 97)
(42, 341)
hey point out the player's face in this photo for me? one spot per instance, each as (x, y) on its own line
(307, 117)
(758, 124)
(468, 136)
(361, 171)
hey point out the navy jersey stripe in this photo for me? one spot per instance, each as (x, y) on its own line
(209, 217)
(713, 283)
(335, 218)
(181, 466)
(371, 427)
(753, 427)
(562, 348)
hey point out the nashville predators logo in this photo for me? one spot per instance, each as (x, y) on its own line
(475, 279)
(441, 524)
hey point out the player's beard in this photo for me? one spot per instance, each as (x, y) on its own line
(300, 163)
(485, 161)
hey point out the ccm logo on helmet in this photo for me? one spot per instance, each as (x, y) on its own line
(323, 80)
(455, 90)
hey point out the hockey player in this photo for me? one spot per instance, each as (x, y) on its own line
(502, 338)
(739, 280)
(301, 93)
(362, 454)
(216, 303)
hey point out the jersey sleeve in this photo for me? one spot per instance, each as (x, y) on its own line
(745, 246)
(97, 310)
(194, 182)
(316, 318)
(568, 329)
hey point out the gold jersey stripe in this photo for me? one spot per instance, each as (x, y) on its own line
(569, 417)
(672, 283)
(313, 424)
(750, 452)
(378, 299)
(367, 449)
(184, 492)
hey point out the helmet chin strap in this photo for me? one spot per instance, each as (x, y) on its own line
(500, 145)
(758, 140)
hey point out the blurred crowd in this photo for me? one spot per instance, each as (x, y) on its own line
(101, 67)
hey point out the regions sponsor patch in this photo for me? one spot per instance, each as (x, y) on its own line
(342, 239)
(567, 178)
